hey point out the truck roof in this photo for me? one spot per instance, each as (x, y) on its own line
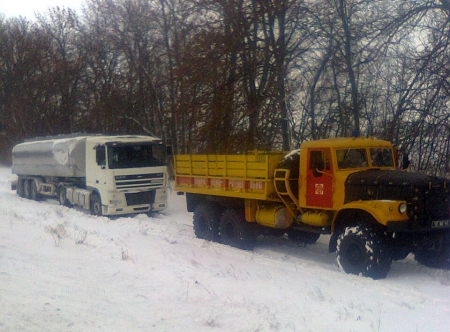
(102, 139)
(346, 142)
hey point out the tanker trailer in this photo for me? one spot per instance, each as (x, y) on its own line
(108, 175)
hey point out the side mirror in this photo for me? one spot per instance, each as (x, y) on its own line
(405, 161)
(169, 150)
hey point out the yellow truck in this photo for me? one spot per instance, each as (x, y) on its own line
(350, 188)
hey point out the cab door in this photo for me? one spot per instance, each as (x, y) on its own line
(319, 179)
(98, 176)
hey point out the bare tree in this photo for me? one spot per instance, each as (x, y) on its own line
(64, 64)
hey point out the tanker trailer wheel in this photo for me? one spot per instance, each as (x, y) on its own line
(206, 221)
(20, 187)
(361, 250)
(96, 205)
(34, 194)
(436, 255)
(235, 231)
(27, 189)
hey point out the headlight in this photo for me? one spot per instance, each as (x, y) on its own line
(115, 201)
(402, 208)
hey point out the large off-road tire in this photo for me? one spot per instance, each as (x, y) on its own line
(96, 205)
(302, 237)
(436, 256)
(27, 189)
(206, 221)
(235, 231)
(34, 193)
(362, 250)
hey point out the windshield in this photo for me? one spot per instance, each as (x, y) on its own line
(381, 157)
(357, 158)
(351, 158)
(133, 156)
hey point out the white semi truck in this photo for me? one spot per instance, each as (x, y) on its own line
(108, 175)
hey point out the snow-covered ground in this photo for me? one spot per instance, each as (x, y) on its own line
(64, 270)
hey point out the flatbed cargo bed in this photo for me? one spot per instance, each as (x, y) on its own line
(243, 176)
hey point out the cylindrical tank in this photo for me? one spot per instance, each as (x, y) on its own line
(274, 216)
(60, 157)
(316, 219)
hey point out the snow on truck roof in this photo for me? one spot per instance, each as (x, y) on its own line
(102, 139)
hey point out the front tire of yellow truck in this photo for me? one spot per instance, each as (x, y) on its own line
(235, 231)
(206, 221)
(362, 250)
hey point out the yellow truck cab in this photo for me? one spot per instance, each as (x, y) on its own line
(347, 187)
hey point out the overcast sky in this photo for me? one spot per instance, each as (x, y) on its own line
(27, 8)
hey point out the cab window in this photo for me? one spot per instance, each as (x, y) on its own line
(100, 155)
(351, 158)
(318, 162)
(381, 157)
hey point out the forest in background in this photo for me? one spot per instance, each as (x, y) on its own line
(229, 76)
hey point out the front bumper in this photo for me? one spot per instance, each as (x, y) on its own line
(407, 226)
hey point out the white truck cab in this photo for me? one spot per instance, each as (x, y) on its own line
(108, 175)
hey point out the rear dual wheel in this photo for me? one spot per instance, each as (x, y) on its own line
(20, 187)
(235, 231)
(34, 193)
(28, 188)
(229, 227)
(206, 221)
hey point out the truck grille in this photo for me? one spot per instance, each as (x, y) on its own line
(430, 205)
(145, 197)
(139, 181)
(428, 197)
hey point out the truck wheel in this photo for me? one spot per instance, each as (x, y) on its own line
(235, 231)
(34, 194)
(302, 236)
(20, 187)
(96, 205)
(27, 189)
(206, 221)
(361, 250)
(436, 256)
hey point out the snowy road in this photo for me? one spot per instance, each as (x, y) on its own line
(64, 270)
